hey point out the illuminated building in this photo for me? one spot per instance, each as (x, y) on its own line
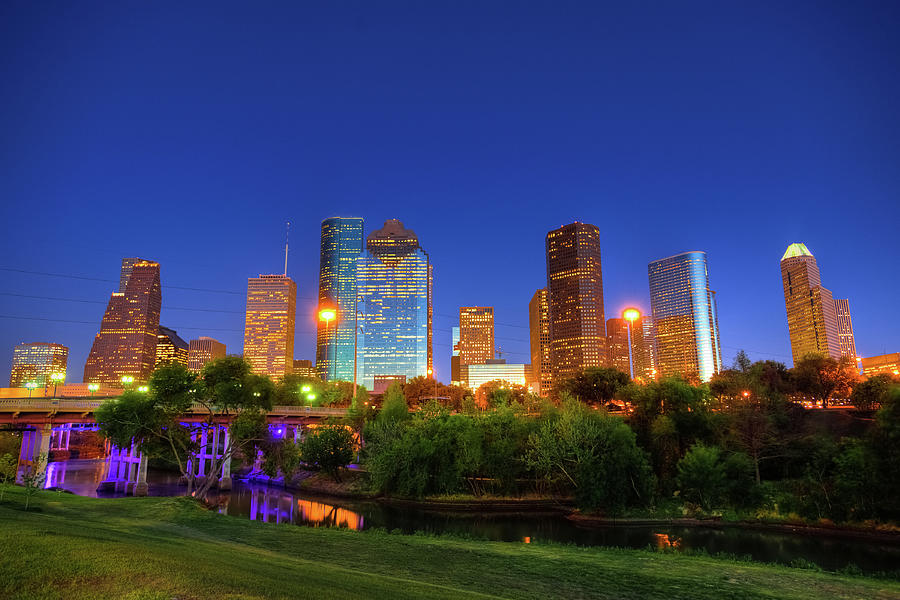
(382, 382)
(204, 350)
(269, 326)
(455, 377)
(394, 285)
(643, 349)
(575, 286)
(126, 343)
(125, 271)
(617, 353)
(170, 348)
(305, 368)
(341, 245)
(684, 314)
(35, 363)
(476, 334)
(845, 329)
(885, 364)
(494, 370)
(812, 322)
(539, 329)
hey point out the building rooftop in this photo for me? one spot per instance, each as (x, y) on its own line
(796, 249)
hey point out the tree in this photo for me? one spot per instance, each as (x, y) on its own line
(595, 385)
(330, 447)
(871, 393)
(34, 476)
(497, 393)
(822, 377)
(290, 390)
(742, 362)
(701, 475)
(8, 467)
(281, 456)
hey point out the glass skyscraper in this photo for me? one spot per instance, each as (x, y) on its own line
(35, 363)
(394, 283)
(269, 325)
(684, 313)
(342, 243)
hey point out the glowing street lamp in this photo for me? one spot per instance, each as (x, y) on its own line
(143, 388)
(93, 387)
(305, 389)
(328, 315)
(127, 380)
(30, 385)
(631, 315)
(57, 378)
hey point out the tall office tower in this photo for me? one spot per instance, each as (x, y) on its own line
(845, 329)
(342, 243)
(204, 350)
(617, 352)
(394, 284)
(575, 285)
(170, 348)
(539, 329)
(684, 313)
(476, 334)
(126, 344)
(812, 322)
(125, 272)
(643, 349)
(269, 327)
(455, 373)
(35, 363)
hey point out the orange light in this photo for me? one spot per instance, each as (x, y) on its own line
(746, 393)
(327, 314)
(631, 314)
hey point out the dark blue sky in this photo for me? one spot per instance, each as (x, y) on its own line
(190, 134)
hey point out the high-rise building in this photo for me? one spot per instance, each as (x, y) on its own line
(125, 271)
(341, 245)
(394, 285)
(170, 348)
(539, 329)
(305, 368)
(269, 327)
(476, 334)
(684, 313)
(126, 343)
(617, 351)
(884, 364)
(845, 329)
(643, 349)
(204, 350)
(36, 362)
(575, 285)
(455, 373)
(812, 321)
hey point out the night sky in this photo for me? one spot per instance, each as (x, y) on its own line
(190, 134)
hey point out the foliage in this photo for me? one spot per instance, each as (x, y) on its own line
(499, 393)
(418, 389)
(330, 447)
(871, 393)
(281, 457)
(701, 475)
(595, 386)
(34, 476)
(8, 467)
(822, 378)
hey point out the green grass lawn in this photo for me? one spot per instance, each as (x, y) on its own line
(73, 547)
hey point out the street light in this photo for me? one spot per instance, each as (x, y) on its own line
(631, 315)
(127, 380)
(57, 378)
(93, 387)
(30, 385)
(328, 315)
(143, 388)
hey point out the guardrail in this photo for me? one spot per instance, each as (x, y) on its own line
(89, 405)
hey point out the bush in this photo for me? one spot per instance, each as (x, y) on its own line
(701, 476)
(330, 447)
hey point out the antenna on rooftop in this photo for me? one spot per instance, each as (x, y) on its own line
(287, 232)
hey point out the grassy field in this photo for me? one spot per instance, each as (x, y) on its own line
(165, 548)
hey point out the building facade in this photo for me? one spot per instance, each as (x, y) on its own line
(539, 334)
(495, 370)
(394, 286)
(269, 325)
(885, 364)
(684, 314)
(170, 348)
(618, 354)
(341, 245)
(305, 368)
(476, 334)
(36, 362)
(643, 349)
(204, 350)
(455, 373)
(575, 286)
(812, 321)
(846, 340)
(126, 343)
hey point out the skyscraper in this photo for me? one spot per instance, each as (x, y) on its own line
(575, 285)
(539, 329)
(269, 326)
(684, 313)
(643, 349)
(125, 271)
(812, 322)
(36, 362)
(618, 355)
(394, 285)
(341, 245)
(126, 344)
(204, 350)
(170, 348)
(476, 334)
(845, 329)
(455, 372)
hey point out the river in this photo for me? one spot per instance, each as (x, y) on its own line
(281, 506)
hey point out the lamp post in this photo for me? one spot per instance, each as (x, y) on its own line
(328, 315)
(30, 385)
(127, 380)
(631, 315)
(93, 387)
(57, 378)
(143, 388)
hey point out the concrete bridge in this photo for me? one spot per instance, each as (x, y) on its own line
(47, 423)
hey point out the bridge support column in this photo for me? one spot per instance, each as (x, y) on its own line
(141, 488)
(225, 480)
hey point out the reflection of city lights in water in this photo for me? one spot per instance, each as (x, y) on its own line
(56, 474)
(316, 513)
(664, 540)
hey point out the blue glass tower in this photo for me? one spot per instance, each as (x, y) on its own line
(684, 313)
(394, 282)
(342, 243)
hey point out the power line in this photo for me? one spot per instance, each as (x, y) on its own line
(215, 310)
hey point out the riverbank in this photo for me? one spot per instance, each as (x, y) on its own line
(74, 547)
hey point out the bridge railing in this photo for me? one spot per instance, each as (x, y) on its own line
(41, 405)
